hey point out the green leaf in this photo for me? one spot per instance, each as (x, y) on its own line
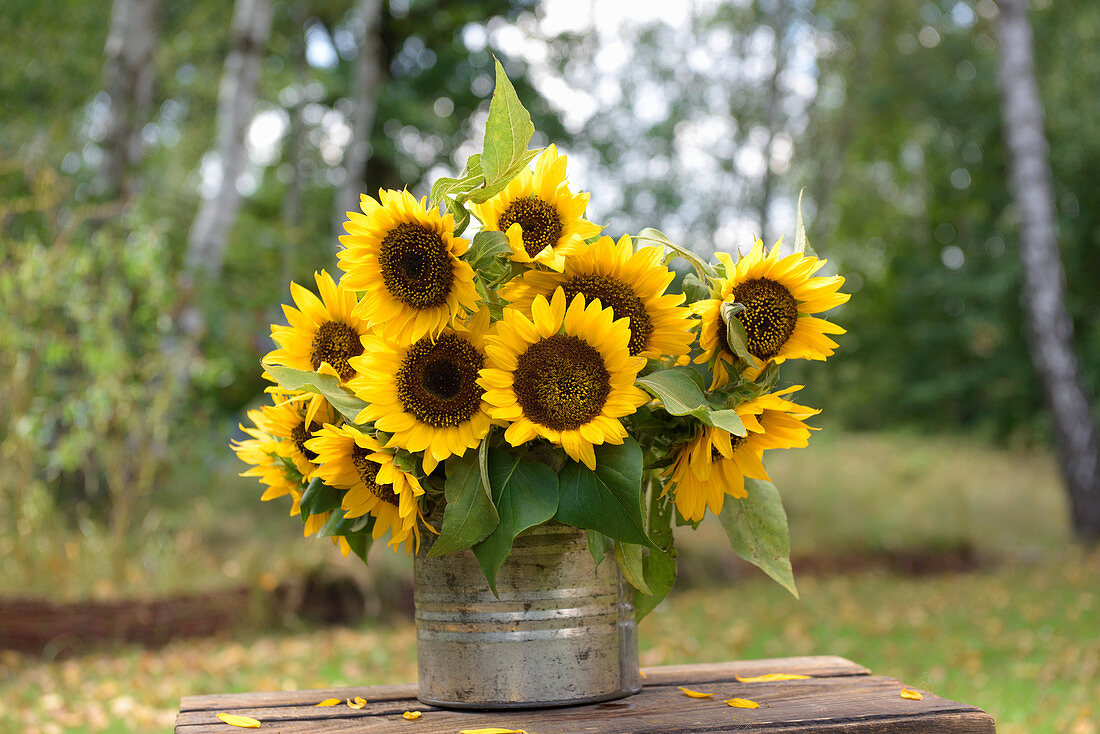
(525, 494)
(485, 248)
(337, 524)
(629, 558)
(695, 289)
(360, 543)
(469, 179)
(461, 215)
(757, 529)
(319, 498)
(508, 130)
(328, 386)
(599, 545)
(658, 566)
(470, 515)
(801, 243)
(492, 188)
(609, 499)
(736, 337)
(680, 394)
(703, 269)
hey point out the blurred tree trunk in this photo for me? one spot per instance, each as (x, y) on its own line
(367, 80)
(128, 81)
(1050, 329)
(296, 147)
(236, 98)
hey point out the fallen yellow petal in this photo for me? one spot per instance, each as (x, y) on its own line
(358, 703)
(694, 694)
(492, 730)
(642, 673)
(412, 715)
(911, 695)
(241, 721)
(770, 677)
(741, 703)
(329, 702)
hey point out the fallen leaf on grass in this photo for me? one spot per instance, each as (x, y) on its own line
(329, 702)
(911, 695)
(358, 703)
(741, 703)
(242, 721)
(492, 730)
(411, 715)
(770, 677)
(694, 694)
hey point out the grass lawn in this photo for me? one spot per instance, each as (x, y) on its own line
(1019, 636)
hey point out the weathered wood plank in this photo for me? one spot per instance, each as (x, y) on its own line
(818, 666)
(846, 704)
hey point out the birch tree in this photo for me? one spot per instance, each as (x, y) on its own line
(1050, 330)
(128, 81)
(367, 80)
(236, 98)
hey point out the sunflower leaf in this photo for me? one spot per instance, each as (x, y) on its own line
(461, 215)
(757, 530)
(327, 386)
(702, 268)
(470, 514)
(629, 558)
(608, 499)
(680, 394)
(361, 541)
(599, 545)
(694, 288)
(319, 498)
(492, 188)
(525, 494)
(485, 248)
(737, 339)
(338, 524)
(659, 567)
(469, 179)
(508, 130)
(801, 243)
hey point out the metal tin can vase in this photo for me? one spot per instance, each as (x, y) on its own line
(562, 631)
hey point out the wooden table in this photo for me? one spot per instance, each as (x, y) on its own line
(840, 697)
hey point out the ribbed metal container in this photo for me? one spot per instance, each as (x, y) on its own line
(561, 633)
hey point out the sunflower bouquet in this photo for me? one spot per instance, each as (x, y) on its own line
(469, 389)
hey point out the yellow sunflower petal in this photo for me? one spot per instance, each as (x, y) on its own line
(770, 677)
(694, 694)
(329, 702)
(411, 715)
(911, 695)
(741, 703)
(357, 703)
(244, 722)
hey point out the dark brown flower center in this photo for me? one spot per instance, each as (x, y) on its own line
(620, 298)
(561, 382)
(368, 472)
(416, 266)
(299, 435)
(437, 383)
(336, 343)
(539, 222)
(769, 317)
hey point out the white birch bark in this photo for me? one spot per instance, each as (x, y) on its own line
(367, 81)
(1050, 330)
(236, 98)
(128, 81)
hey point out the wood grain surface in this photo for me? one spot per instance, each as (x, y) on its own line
(840, 697)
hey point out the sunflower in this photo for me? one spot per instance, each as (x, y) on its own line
(543, 220)
(290, 422)
(631, 283)
(405, 258)
(262, 454)
(351, 460)
(715, 462)
(778, 294)
(321, 331)
(426, 394)
(566, 375)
